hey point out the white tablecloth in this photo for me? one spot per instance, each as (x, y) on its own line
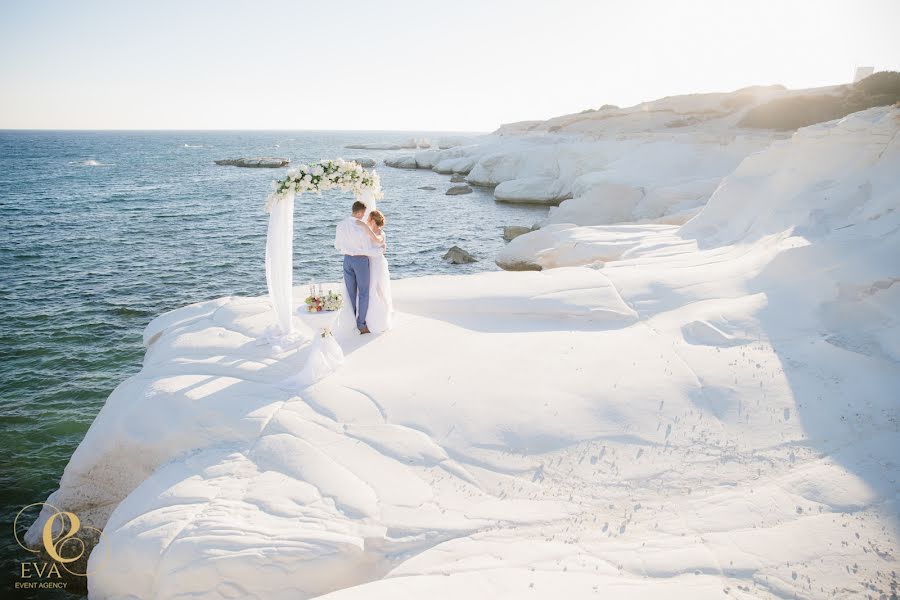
(325, 354)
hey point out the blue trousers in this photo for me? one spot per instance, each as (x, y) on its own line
(356, 276)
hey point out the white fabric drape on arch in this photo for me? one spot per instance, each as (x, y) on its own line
(280, 262)
(280, 258)
(368, 198)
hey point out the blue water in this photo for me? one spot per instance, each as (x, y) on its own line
(102, 231)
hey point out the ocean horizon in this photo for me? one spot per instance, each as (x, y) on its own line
(396, 134)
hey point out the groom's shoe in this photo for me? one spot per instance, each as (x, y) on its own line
(364, 330)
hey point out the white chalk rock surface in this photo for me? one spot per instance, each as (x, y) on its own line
(462, 164)
(532, 190)
(401, 162)
(713, 413)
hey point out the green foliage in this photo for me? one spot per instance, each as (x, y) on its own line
(878, 89)
(793, 112)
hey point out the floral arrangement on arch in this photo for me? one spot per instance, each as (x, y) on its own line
(347, 176)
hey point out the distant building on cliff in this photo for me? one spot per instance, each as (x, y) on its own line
(862, 73)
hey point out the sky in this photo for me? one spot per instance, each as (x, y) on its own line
(466, 65)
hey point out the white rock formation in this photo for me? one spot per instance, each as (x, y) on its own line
(451, 141)
(712, 413)
(401, 162)
(673, 152)
(548, 191)
(573, 233)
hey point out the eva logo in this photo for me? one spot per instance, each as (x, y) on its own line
(61, 548)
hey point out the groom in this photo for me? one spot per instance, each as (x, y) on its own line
(352, 241)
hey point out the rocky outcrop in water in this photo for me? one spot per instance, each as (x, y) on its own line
(401, 162)
(511, 232)
(458, 256)
(456, 190)
(254, 163)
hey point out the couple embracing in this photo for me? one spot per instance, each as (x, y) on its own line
(360, 238)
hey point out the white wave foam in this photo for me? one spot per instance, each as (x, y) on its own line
(90, 162)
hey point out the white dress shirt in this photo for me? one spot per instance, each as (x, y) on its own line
(352, 239)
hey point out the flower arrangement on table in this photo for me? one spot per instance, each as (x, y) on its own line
(328, 302)
(347, 176)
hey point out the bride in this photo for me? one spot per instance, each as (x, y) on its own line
(381, 304)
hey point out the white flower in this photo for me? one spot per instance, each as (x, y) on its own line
(348, 176)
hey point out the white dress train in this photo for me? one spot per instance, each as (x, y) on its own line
(380, 315)
(324, 357)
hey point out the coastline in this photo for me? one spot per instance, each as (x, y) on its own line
(95, 251)
(656, 401)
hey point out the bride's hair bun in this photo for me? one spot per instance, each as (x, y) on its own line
(378, 217)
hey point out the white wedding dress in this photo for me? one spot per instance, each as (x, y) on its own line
(379, 317)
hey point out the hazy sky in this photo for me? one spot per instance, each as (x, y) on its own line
(456, 65)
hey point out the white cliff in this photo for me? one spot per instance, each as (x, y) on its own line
(666, 410)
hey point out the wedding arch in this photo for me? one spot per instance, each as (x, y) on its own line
(346, 176)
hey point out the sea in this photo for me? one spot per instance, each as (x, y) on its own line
(101, 231)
